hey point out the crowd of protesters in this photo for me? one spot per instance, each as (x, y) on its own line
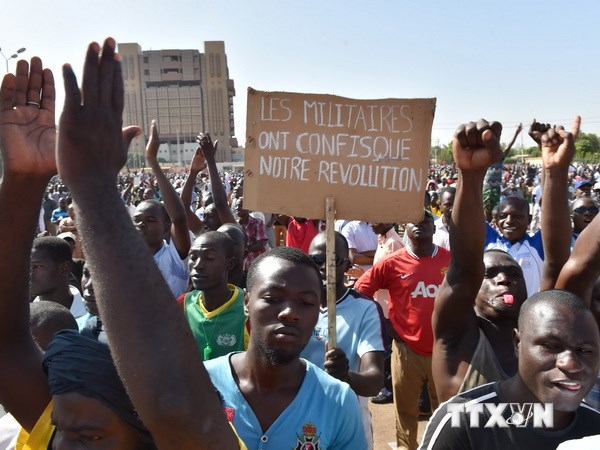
(138, 277)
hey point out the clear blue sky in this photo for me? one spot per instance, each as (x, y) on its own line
(504, 60)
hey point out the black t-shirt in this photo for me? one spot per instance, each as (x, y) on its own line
(440, 433)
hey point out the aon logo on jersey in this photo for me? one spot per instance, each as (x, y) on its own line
(429, 291)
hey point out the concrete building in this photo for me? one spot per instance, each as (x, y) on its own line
(186, 92)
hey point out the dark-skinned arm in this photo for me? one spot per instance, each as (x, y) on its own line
(369, 283)
(558, 149)
(179, 225)
(582, 269)
(257, 246)
(475, 147)
(185, 413)
(27, 142)
(368, 381)
(197, 165)
(218, 190)
(365, 258)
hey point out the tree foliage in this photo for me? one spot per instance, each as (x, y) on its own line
(587, 150)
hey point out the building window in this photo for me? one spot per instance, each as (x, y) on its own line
(211, 64)
(145, 60)
(146, 72)
(130, 67)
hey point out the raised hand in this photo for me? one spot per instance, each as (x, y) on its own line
(558, 145)
(537, 130)
(27, 125)
(91, 144)
(208, 149)
(151, 153)
(198, 161)
(476, 146)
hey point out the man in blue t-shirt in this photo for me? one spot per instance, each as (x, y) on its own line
(274, 399)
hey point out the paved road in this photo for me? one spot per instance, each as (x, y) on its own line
(384, 426)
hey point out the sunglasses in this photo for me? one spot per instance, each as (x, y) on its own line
(583, 210)
(320, 260)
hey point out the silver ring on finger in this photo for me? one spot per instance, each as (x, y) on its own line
(36, 104)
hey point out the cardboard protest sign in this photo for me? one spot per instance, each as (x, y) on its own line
(372, 156)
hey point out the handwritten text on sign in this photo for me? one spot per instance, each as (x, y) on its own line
(371, 155)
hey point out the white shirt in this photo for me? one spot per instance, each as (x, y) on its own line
(77, 307)
(9, 431)
(360, 236)
(441, 237)
(173, 268)
(388, 244)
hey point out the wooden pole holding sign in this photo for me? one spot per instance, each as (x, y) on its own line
(331, 272)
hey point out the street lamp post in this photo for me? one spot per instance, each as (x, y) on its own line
(14, 55)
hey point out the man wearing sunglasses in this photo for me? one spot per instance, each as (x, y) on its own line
(359, 356)
(583, 211)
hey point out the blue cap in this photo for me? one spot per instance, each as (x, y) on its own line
(580, 183)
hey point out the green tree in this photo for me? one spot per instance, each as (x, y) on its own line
(441, 153)
(587, 143)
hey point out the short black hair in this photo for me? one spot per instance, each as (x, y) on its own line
(498, 250)
(551, 297)
(340, 240)
(291, 254)
(221, 239)
(518, 201)
(448, 189)
(227, 228)
(578, 201)
(57, 249)
(51, 315)
(160, 205)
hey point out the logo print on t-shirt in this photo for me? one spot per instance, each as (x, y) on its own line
(226, 340)
(309, 439)
(427, 291)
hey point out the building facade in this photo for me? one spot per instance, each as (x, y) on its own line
(186, 92)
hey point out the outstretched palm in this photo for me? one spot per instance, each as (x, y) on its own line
(28, 134)
(28, 140)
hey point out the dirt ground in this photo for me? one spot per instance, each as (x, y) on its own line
(384, 426)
